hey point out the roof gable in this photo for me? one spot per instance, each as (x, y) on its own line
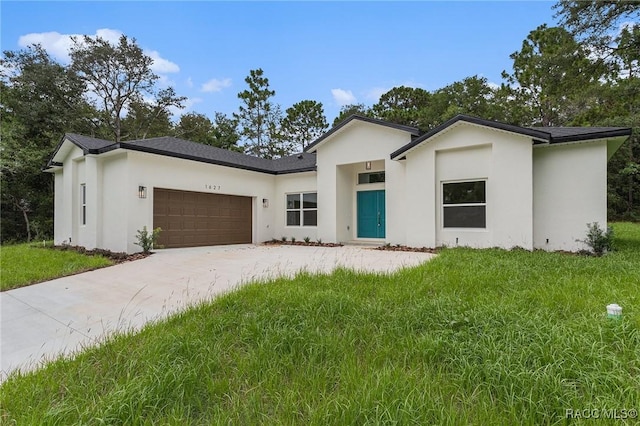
(540, 135)
(358, 118)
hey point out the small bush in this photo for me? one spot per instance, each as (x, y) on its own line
(599, 240)
(293, 239)
(284, 239)
(307, 239)
(146, 239)
(319, 240)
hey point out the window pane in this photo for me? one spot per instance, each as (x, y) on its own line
(293, 201)
(374, 177)
(464, 192)
(465, 217)
(310, 218)
(293, 218)
(83, 189)
(84, 215)
(310, 201)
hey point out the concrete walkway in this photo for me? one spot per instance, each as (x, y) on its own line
(57, 317)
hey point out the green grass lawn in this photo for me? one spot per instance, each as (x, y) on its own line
(473, 337)
(24, 264)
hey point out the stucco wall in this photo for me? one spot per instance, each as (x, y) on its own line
(469, 152)
(116, 197)
(355, 144)
(156, 171)
(289, 184)
(570, 190)
(67, 188)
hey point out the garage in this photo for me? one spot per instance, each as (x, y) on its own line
(190, 219)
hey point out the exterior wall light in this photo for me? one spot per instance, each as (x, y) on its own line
(367, 165)
(142, 191)
(265, 202)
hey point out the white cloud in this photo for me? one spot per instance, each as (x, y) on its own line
(215, 85)
(161, 65)
(112, 36)
(343, 97)
(55, 43)
(58, 45)
(628, 25)
(189, 82)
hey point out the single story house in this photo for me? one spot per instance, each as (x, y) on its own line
(469, 182)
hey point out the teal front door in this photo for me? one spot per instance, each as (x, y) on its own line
(371, 214)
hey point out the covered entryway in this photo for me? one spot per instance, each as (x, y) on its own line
(371, 214)
(190, 219)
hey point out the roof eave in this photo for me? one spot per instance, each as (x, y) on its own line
(614, 133)
(148, 150)
(400, 154)
(300, 170)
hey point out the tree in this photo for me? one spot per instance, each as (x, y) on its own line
(195, 127)
(151, 119)
(259, 118)
(472, 96)
(402, 105)
(613, 29)
(351, 109)
(551, 74)
(305, 121)
(225, 133)
(595, 19)
(40, 99)
(119, 76)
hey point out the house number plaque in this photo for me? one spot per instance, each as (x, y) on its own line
(212, 187)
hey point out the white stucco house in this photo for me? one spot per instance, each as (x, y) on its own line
(469, 182)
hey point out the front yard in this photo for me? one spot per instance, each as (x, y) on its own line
(472, 337)
(25, 264)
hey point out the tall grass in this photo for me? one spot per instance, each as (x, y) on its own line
(472, 337)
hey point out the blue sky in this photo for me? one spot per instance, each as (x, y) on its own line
(332, 52)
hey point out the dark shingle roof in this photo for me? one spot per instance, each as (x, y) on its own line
(180, 148)
(568, 134)
(87, 143)
(548, 135)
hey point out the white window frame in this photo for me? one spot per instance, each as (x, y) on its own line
(301, 209)
(443, 205)
(83, 204)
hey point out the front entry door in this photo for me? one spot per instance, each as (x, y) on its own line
(371, 215)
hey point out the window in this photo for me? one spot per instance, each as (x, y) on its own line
(373, 177)
(83, 203)
(302, 209)
(464, 204)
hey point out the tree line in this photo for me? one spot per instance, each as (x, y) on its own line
(585, 72)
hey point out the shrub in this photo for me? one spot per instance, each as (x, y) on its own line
(146, 239)
(284, 239)
(307, 239)
(319, 240)
(599, 240)
(293, 239)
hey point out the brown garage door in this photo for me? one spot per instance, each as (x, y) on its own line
(190, 219)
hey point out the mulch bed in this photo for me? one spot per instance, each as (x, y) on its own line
(300, 243)
(398, 247)
(115, 257)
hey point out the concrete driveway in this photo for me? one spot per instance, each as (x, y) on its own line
(57, 317)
